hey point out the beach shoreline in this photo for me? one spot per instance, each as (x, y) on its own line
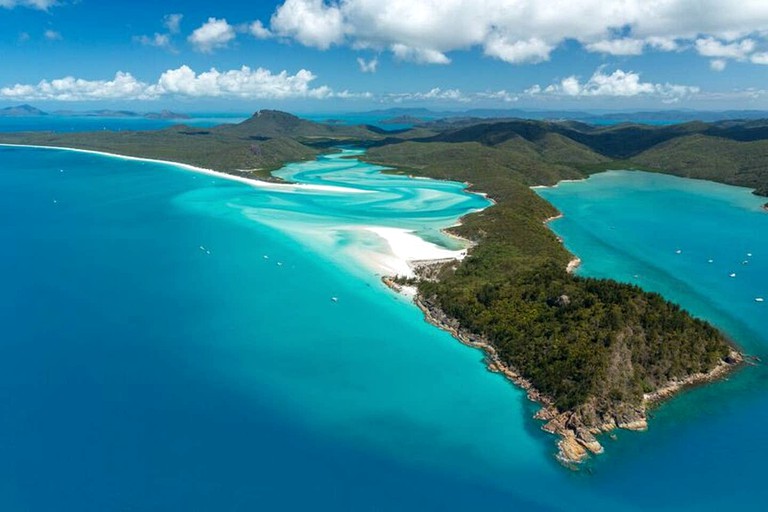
(253, 182)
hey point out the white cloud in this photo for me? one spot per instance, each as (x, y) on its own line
(172, 22)
(625, 46)
(710, 47)
(239, 83)
(438, 95)
(243, 83)
(310, 22)
(759, 58)
(259, 31)
(42, 5)
(435, 94)
(618, 84)
(664, 44)
(122, 86)
(532, 51)
(368, 66)
(211, 35)
(348, 95)
(533, 90)
(421, 55)
(158, 40)
(717, 64)
(52, 35)
(502, 95)
(519, 31)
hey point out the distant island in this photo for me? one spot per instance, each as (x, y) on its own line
(404, 119)
(21, 111)
(30, 111)
(597, 117)
(596, 354)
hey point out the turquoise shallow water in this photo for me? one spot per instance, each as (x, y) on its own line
(153, 359)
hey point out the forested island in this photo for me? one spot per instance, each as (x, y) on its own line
(595, 353)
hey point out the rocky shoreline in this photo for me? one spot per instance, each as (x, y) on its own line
(577, 430)
(573, 265)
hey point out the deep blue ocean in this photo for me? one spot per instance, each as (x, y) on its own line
(171, 342)
(64, 123)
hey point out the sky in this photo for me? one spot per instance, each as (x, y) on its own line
(357, 55)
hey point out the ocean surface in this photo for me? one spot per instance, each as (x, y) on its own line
(77, 123)
(67, 123)
(176, 341)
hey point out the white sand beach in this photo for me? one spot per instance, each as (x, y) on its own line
(254, 182)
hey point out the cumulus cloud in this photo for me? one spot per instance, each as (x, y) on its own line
(501, 95)
(711, 47)
(348, 95)
(421, 55)
(122, 86)
(519, 31)
(662, 43)
(368, 66)
(243, 83)
(239, 83)
(433, 94)
(718, 64)
(157, 40)
(42, 5)
(310, 22)
(625, 46)
(52, 35)
(211, 35)
(438, 95)
(259, 31)
(172, 22)
(618, 84)
(532, 51)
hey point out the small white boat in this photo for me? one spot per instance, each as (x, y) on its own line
(710, 261)
(732, 274)
(759, 299)
(334, 299)
(678, 251)
(279, 263)
(749, 255)
(266, 257)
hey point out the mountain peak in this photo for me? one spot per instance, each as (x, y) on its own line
(21, 110)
